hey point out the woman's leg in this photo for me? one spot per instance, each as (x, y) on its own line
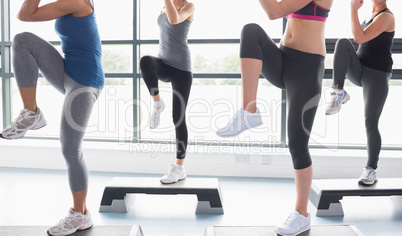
(153, 69)
(258, 54)
(375, 92)
(31, 53)
(181, 85)
(77, 108)
(346, 64)
(302, 76)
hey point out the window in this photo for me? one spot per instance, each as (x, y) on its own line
(216, 90)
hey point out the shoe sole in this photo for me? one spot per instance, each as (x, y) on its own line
(171, 182)
(234, 135)
(22, 134)
(361, 182)
(343, 102)
(302, 231)
(70, 232)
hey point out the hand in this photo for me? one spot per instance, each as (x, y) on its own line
(356, 4)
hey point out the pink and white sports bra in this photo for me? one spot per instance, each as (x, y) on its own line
(311, 12)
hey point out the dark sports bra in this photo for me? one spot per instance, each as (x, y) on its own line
(311, 12)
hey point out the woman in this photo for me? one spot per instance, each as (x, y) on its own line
(79, 76)
(296, 66)
(173, 65)
(371, 68)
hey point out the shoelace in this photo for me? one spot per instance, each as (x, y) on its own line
(21, 116)
(235, 117)
(291, 218)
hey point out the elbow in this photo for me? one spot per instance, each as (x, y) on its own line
(358, 40)
(172, 21)
(23, 17)
(273, 16)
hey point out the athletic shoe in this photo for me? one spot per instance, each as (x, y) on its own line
(75, 221)
(337, 99)
(294, 225)
(368, 177)
(174, 175)
(241, 121)
(26, 120)
(155, 118)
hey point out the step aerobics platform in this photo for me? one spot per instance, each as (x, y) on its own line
(316, 230)
(326, 193)
(97, 230)
(118, 195)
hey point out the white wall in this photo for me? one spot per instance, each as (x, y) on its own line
(200, 160)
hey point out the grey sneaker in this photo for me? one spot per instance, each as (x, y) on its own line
(368, 177)
(26, 120)
(73, 222)
(336, 101)
(294, 225)
(241, 121)
(155, 118)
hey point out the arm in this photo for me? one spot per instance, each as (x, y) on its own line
(175, 17)
(30, 10)
(380, 24)
(275, 9)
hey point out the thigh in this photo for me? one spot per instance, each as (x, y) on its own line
(181, 85)
(256, 44)
(77, 108)
(303, 74)
(32, 53)
(375, 90)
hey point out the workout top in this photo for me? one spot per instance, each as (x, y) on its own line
(376, 53)
(82, 49)
(173, 47)
(311, 12)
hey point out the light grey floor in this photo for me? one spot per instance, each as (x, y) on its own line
(41, 197)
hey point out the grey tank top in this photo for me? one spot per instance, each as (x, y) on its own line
(173, 47)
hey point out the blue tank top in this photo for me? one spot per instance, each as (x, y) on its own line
(82, 49)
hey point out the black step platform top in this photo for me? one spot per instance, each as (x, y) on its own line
(112, 230)
(316, 230)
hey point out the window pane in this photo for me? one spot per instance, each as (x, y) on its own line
(117, 58)
(115, 19)
(212, 19)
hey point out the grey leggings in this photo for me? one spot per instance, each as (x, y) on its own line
(375, 92)
(31, 53)
(300, 74)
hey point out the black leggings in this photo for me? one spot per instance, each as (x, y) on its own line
(152, 69)
(375, 92)
(300, 74)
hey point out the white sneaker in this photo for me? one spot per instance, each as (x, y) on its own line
(240, 122)
(75, 221)
(337, 99)
(174, 175)
(155, 118)
(26, 120)
(294, 225)
(368, 177)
